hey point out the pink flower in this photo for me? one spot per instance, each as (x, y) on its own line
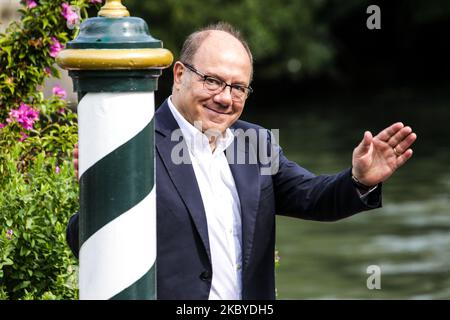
(59, 92)
(23, 136)
(48, 71)
(31, 4)
(55, 48)
(9, 234)
(57, 170)
(61, 111)
(2, 125)
(95, 1)
(70, 15)
(25, 116)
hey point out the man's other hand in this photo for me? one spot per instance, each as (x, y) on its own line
(75, 160)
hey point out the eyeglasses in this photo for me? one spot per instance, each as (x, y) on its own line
(238, 92)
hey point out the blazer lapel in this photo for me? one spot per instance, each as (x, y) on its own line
(182, 175)
(246, 178)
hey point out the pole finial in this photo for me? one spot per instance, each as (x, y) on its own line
(113, 9)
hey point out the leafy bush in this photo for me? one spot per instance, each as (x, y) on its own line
(38, 195)
(37, 135)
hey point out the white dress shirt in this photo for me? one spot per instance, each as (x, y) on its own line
(222, 207)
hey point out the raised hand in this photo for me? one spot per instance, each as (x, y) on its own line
(75, 160)
(375, 159)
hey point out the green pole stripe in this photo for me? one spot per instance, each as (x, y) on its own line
(142, 289)
(115, 80)
(117, 182)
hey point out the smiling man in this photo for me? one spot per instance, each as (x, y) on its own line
(213, 96)
(216, 217)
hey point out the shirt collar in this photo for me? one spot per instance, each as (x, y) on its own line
(196, 141)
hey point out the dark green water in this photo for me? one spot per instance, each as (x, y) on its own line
(409, 238)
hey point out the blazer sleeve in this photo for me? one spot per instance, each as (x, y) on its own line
(72, 234)
(299, 193)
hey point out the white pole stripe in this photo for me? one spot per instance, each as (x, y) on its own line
(108, 121)
(121, 250)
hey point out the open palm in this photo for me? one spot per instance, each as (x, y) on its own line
(375, 159)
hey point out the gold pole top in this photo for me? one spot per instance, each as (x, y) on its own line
(114, 59)
(113, 9)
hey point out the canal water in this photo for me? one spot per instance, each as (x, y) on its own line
(408, 239)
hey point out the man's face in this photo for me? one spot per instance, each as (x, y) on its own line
(220, 56)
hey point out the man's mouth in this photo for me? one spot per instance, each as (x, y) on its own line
(216, 111)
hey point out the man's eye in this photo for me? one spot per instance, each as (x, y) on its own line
(241, 89)
(213, 81)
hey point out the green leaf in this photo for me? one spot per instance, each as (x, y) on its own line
(21, 285)
(7, 49)
(6, 262)
(24, 251)
(29, 223)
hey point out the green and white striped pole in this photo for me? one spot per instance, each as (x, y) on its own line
(115, 65)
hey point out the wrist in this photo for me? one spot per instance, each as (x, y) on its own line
(358, 184)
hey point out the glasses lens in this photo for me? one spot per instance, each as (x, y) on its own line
(237, 95)
(213, 84)
(239, 92)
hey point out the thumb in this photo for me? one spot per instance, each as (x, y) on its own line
(365, 144)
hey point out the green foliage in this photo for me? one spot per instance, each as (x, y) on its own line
(38, 195)
(25, 59)
(37, 135)
(287, 38)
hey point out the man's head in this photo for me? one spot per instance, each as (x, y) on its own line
(219, 52)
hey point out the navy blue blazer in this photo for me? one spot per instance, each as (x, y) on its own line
(184, 269)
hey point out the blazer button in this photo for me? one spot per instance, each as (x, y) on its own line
(205, 275)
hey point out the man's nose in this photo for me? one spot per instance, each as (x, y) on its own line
(224, 97)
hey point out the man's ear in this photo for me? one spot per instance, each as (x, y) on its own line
(178, 72)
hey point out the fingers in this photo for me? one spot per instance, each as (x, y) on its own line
(404, 144)
(399, 136)
(404, 157)
(367, 139)
(365, 144)
(389, 132)
(75, 159)
(75, 151)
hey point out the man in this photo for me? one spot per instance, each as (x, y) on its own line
(215, 215)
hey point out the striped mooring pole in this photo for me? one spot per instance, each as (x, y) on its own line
(115, 64)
